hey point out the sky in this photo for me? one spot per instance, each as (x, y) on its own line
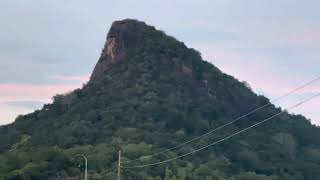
(51, 47)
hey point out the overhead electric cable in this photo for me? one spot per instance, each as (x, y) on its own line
(223, 139)
(224, 125)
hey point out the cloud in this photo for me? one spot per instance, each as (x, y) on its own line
(14, 92)
(273, 45)
(9, 113)
(268, 75)
(18, 99)
(81, 78)
(26, 104)
(309, 110)
(275, 35)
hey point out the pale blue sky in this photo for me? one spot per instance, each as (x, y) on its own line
(49, 47)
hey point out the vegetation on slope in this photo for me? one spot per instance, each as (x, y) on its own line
(154, 93)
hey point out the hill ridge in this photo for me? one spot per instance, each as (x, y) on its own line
(149, 92)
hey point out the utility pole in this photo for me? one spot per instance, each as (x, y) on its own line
(119, 164)
(86, 165)
(86, 170)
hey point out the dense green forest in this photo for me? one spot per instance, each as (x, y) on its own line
(149, 92)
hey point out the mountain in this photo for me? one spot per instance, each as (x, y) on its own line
(149, 92)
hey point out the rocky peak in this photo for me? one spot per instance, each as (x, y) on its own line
(129, 38)
(121, 36)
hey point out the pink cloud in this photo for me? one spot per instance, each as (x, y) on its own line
(310, 110)
(261, 35)
(263, 73)
(9, 113)
(307, 38)
(266, 75)
(9, 92)
(82, 78)
(21, 92)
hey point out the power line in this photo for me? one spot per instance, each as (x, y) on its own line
(222, 126)
(109, 170)
(104, 172)
(225, 138)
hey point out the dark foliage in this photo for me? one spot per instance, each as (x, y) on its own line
(157, 94)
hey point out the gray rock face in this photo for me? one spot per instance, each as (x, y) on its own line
(121, 36)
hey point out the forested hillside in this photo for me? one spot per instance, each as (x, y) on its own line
(149, 92)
